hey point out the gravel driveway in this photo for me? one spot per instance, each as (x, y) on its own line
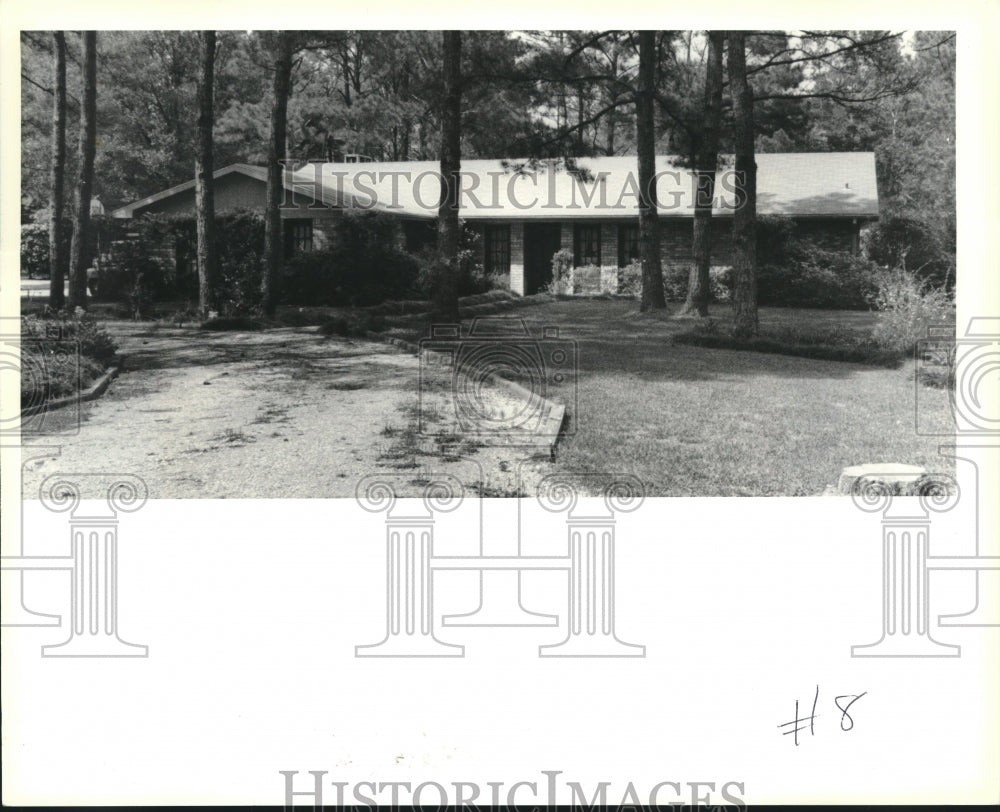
(283, 413)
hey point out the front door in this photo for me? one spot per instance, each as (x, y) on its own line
(541, 241)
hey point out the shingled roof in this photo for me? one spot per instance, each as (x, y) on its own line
(802, 184)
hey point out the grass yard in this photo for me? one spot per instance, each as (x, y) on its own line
(692, 421)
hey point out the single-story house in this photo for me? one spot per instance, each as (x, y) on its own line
(526, 211)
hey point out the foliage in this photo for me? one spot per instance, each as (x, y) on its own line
(630, 280)
(35, 247)
(907, 307)
(676, 277)
(363, 266)
(34, 250)
(911, 243)
(586, 279)
(562, 273)
(50, 330)
(472, 278)
(796, 270)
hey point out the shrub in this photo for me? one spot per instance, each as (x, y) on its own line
(812, 276)
(907, 307)
(95, 346)
(562, 273)
(927, 249)
(586, 279)
(630, 280)
(35, 248)
(676, 277)
(363, 266)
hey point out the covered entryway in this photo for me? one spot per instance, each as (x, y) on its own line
(541, 241)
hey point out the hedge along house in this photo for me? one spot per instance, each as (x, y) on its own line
(526, 212)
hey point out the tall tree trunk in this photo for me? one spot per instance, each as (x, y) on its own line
(745, 215)
(57, 262)
(275, 193)
(204, 194)
(653, 297)
(85, 177)
(446, 292)
(699, 283)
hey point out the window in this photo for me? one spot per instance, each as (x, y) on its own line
(298, 236)
(628, 244)
(497, 245)
(586, 245)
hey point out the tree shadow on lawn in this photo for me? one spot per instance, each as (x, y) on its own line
(159, 348)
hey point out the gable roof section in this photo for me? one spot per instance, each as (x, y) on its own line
(250, 170)
(805, 184)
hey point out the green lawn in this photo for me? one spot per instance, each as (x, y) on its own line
(691, 421)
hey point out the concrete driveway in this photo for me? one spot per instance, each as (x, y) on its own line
(283, 413)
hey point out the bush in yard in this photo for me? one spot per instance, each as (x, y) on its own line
(907, 306)
(586, 279)
(364, 266)
(927, 249)
(472, 277)
(35, 248)
(812, 276)
(562, 272)
(676, 277)
(49, 328)
(131, 276)
(630, 280)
